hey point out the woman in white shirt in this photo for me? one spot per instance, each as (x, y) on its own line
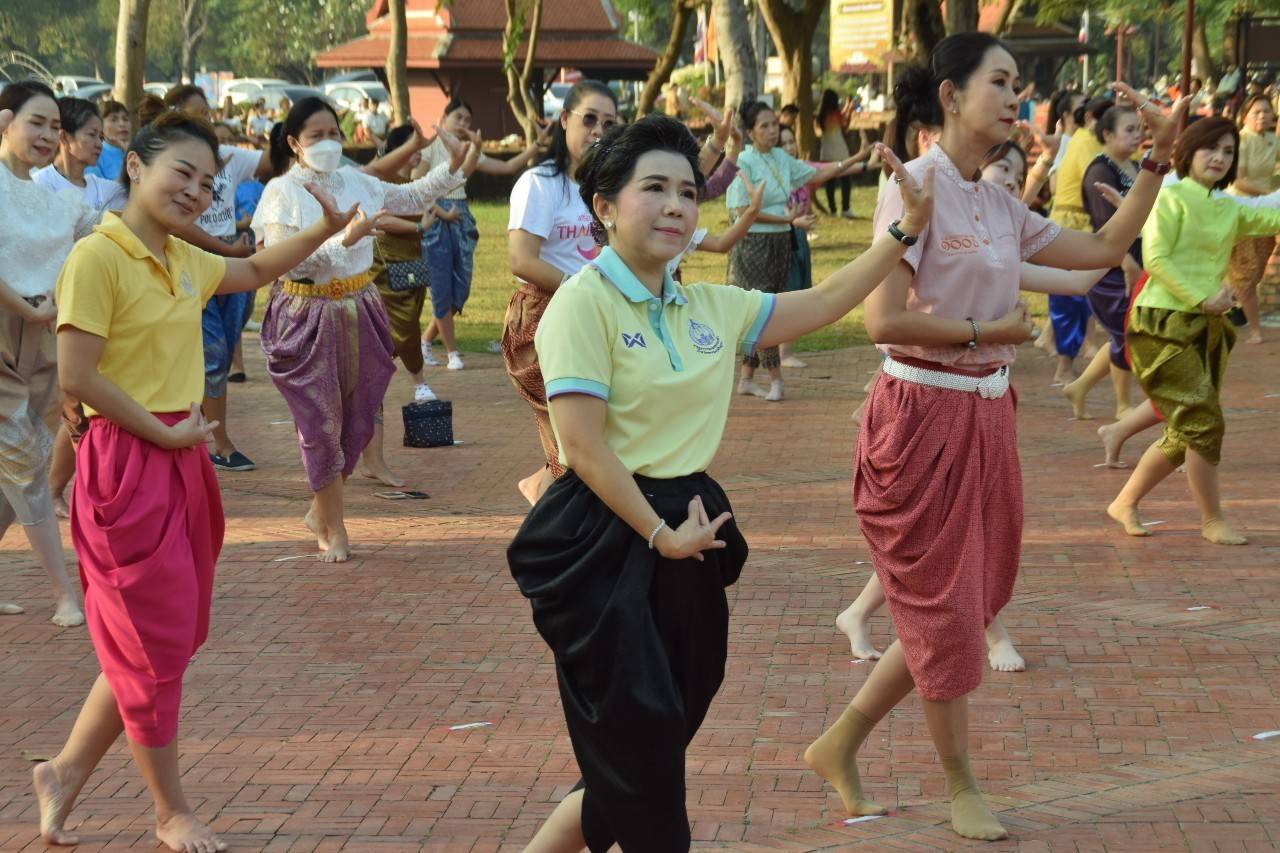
(325, 331)
(548, 240)
(37, 230)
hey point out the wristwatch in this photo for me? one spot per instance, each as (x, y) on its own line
(1156, 167)
(904, 239)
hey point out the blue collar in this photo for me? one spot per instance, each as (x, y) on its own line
(620, 275)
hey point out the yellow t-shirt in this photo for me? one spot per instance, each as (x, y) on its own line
(1068, 199)
(113, 287)
(665, 366)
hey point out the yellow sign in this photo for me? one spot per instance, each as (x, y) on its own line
(861, 33)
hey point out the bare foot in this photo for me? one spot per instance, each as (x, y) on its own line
(1003, 657)
(186, 833)
(1255, 338)
(1060, 378)
(315, 526)
(1112, 441)
(60, 507)
(338, 549)
(10, 609)
(855, 627)
(55, 796)
(1077, 394)
(1127, 516)
(529, 487)
(381, 473)
(1218, 532)
(68, 613)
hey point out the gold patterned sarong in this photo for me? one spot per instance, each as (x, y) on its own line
(404, 307)
(1180, 359)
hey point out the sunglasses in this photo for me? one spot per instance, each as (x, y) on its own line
(589, 121)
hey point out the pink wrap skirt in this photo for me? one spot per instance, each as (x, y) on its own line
(147, 526)
(938, 490)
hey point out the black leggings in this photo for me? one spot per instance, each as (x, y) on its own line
(846, 183)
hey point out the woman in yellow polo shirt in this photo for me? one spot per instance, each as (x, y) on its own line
(146, 517)
(626, 557)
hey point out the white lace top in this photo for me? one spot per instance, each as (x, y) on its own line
(286, 208)
(37, 229)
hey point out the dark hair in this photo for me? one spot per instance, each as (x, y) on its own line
(789, 109)
(1205, 134)
(178, 95)
(1059, 107)
(168, 128)
(830, 103)
(16, 95)
(1092, 109)
(1248, 105)
(397, 136)
(999, 152)
(76, 113)
(915, 94)
(558, 153)
(292, 126)
(111, 107)
(751, 114)
(455, 104)
(610, 162)
(150, 108)
(1108, 121)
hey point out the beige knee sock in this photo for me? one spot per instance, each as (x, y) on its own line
(970, 816)
(834, 757)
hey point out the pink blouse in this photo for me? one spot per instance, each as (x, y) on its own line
(967, 261)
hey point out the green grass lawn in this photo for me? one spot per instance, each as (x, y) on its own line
(839, 241)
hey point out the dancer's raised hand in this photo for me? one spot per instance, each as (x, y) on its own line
(917, 196)
(697, 534)
(335, 220)
(1164, 128)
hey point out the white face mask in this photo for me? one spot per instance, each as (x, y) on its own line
(323, 156)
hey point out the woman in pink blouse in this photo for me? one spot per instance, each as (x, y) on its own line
(937, 484)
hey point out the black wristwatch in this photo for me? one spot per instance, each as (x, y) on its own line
(904, 239)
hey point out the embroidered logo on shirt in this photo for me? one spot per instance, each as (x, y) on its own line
(705, 340)
(636, 340)
(185, 283)
(961, 244)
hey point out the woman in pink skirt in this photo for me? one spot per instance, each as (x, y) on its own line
(146, 517)
(937, 484)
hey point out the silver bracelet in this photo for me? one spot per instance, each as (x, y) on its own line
(656, 531)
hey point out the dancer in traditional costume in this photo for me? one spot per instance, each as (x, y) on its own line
(1179, 339)
(325, 331)
(937, 484)
(626, 557)
(146, 517)
(549, 240)
(37, 230)
(1255, 176)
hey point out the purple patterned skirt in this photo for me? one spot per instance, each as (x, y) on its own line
(331, 360)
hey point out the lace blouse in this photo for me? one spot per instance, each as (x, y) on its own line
(37, 230)
(286, 208)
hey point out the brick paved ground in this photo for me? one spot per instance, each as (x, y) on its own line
(317, 716)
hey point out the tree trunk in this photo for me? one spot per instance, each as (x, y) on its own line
(195, 20)
(398, 63)
(733, 42)
(792, 30)
(1008, 16)
(681, 14)
(922, 29)
(1201, 57)
(962, 16)
(131, 54)
(519, 83)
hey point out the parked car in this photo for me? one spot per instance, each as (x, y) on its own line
(90, 91)
(553, 100)
(157, 89)
(69, 84)
(272, 95)
(348, 95)
(364, 75)
(250, 88)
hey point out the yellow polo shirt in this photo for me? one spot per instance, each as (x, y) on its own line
(113, 287)
(1068, 197)
(665, 366)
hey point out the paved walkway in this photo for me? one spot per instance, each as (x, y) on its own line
(319, 714)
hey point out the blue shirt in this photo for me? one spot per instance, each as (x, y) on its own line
(109, 164)
(780, 172)
(248, 194)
